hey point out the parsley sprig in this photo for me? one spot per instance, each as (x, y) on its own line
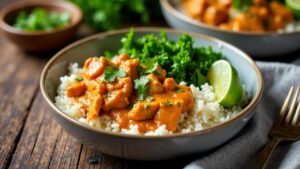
(141, 86)
(111, 73)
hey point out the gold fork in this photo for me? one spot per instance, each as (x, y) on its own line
(284, 129)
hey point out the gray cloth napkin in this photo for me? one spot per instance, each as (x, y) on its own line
(243, 149)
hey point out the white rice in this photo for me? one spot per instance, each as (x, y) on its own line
(206, 113)
(291, 27)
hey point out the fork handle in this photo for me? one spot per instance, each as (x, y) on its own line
(265, 155)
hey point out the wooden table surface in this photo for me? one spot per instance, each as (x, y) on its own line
(30, 137)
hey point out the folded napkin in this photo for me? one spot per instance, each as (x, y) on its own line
(244, 148)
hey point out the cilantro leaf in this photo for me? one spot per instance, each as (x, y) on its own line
(141, 86)
(79, 78)
(179, 90)
(111, 73)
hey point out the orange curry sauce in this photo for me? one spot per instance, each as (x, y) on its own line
(119, 99)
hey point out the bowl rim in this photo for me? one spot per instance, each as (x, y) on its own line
(237, 117)
(17, 6)
(167, 5)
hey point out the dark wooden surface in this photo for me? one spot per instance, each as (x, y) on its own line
(29, 135)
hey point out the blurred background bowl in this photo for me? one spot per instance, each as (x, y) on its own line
(39, 41)
(258, 45)
(148, 147)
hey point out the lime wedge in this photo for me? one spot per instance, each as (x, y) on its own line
(294, 6)
(226, 82)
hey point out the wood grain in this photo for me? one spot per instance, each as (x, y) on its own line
(17, 89)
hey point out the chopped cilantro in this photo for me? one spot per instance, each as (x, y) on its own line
(141, 86)
(146, 106)
(111, 73)
(178, 90)
(153, 69)
(168, 103)
(149, 98)
(79, 78)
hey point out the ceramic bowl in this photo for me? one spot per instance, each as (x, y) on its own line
(258, 45)
(149, 147)
(39, 41)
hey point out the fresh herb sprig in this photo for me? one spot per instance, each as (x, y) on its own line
(111, 73)
(141, 86)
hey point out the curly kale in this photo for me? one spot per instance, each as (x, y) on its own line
(182, 60)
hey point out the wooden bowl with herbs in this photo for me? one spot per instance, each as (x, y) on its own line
(38, 26)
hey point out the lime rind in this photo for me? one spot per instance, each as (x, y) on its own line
(294, 6)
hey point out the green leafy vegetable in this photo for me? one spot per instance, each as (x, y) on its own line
(168, 103)
(141, 86)
(79, 78)
(111, 14)
(179, 90)
(180, 59)
(41, 19)
(241, 5)
(146, 106)
(111, 73)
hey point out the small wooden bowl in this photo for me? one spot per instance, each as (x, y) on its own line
(39, 41)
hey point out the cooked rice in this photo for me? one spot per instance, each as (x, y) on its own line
(207, 111)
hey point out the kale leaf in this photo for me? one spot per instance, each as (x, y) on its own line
(180, 59)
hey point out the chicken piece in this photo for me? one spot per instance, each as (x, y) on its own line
(116, 100)
(154, 85)
(122, 84)
(225, 26)
(130, 67)
(246, 22)
(195, 8)
(169, 114)
(96, 87)
(143, 110)
(279, 9)
(170, 84)
(118, 60)
(94, 67)
(225, 3)
(160, 73)
(276, 23)
(186, 96)
(95, 107)
(261, 12)
(259, 2)
(77, 89)
(215, 16)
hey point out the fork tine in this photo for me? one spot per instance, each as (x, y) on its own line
(285, 105)
(292, 107)
(297, 115)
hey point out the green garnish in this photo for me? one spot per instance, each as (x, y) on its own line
(168, 103)
(146, 106)
(111, 73)
(41, 19)
(180, 59)
(153, 69)
(141, 86)
(241, 5)
(79, 78)
(149, 98)
(112, 14)
(179, 90)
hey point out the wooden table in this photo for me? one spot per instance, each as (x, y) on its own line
(30, 137)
